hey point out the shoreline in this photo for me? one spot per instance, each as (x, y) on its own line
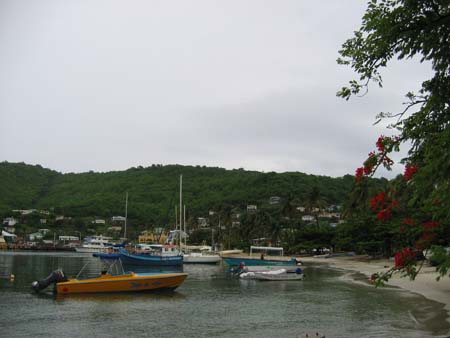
(425, 283)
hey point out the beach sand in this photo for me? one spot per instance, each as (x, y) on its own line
(425, 283)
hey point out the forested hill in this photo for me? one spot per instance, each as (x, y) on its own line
(153, 191)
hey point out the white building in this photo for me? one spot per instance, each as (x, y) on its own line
(25, 211)
(308, 218)
(274, 200)
(9, 222)
(252, 208)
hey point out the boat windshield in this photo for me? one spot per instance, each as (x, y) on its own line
(95, 268)
(267, 249)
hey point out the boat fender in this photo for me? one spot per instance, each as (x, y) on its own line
(54, 277)
(298, 271)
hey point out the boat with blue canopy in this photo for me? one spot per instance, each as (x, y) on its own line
(169, 255)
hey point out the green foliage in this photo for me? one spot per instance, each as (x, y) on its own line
(153, 194)
(440, 257)
(406, 29)
(23, 185)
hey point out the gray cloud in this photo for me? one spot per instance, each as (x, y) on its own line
(106, 85)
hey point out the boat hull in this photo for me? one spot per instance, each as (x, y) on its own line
(102, 255)
(280, 275)
(262, 268)
(81, 249)
(149, 260)
(131, 282)
(201, 259)
(236, 261)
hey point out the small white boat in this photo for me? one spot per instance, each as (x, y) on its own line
(276, 275)
(200, 258)
(265, 268)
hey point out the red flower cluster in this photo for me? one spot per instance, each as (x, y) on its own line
(384, 145)
(380, 144)
(404, 257)
(384, 215)
(410, 171)
(359, 174)
(378, 201)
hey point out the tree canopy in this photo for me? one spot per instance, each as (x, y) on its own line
(419, 203)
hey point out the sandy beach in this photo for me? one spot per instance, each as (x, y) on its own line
(425, 283)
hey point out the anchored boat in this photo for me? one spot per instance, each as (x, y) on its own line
(122, 283)
(168, 255)
(276, 275)
(110, 282)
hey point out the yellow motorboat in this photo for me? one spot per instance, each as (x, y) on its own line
(109, 282)
(122, 283)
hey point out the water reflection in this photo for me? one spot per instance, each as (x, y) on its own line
(210, 303)
(154, 295)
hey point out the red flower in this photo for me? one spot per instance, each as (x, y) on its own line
(373, 203)
(380, 144)
(378, 201)
(430, 225)
(384, 215)
(359, 174)
(395, 203)
(404, 257)
(381, 197)
(368, 170)
(410, 171)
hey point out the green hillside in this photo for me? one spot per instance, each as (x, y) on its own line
(154, 193)
(22, 186)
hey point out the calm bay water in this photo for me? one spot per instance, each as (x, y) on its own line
(210, 303)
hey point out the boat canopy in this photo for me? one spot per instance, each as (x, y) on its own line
(266, 248)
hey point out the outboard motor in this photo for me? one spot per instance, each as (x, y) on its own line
(54, 277)
(298, 271)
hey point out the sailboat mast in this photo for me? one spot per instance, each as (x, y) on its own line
(184, 222)
(181, 208)
(126, 215)
(176, 218)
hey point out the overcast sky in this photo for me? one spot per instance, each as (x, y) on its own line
(111, 84)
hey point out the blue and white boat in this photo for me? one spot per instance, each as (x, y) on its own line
(168, 255)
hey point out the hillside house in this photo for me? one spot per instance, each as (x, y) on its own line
(9, 222)
(251, 208)
(274, 200)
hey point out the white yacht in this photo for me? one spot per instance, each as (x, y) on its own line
(92, 244)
